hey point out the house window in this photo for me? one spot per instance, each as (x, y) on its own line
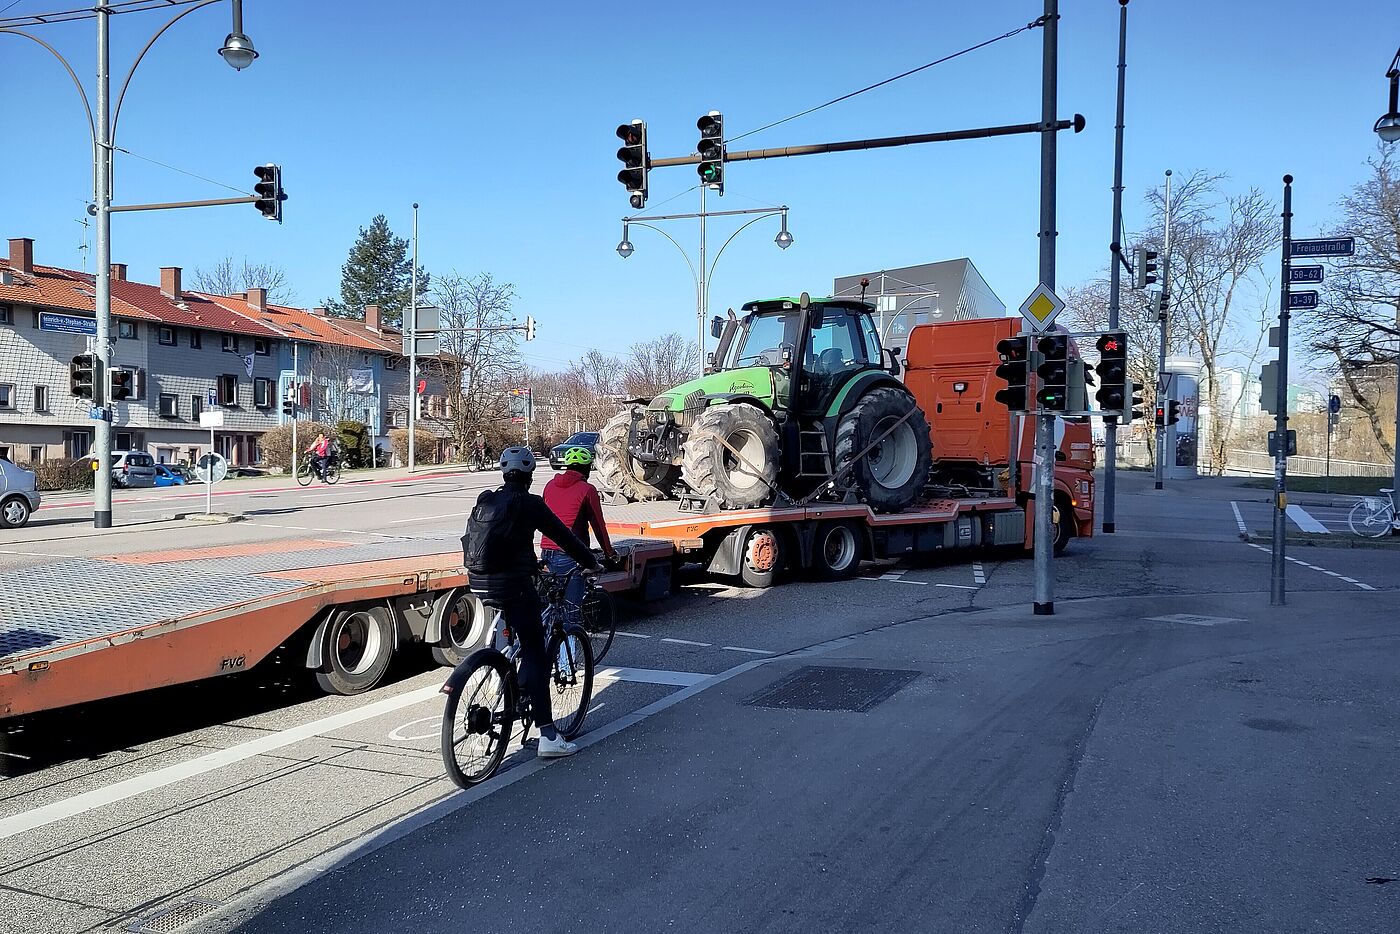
(127, 330)
(126, 441)
(230, 343)
(7, 314)
(262, 393)
(77, 444)
(228, 389)
(36, 454)
(196, 407)
(166, 336)
(391, 363)
(260, 346)
(7, 396)
(169, 405)
(41, 398)
(196, 340)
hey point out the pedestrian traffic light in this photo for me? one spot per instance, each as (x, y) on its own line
(1134, 399)
(1054, 373)
(121, 385)
(711, 150)
(288, 407)
(1144, 267)
(1161, 417)
(1015, 365)
(634, 161)
(269, 191)
(1172, 414)
(80, 376)
(529, 328)
(1113, 372)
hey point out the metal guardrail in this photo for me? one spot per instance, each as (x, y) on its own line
(1259, 464)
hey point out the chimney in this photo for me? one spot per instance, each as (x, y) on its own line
(319, 311)
(170, 282)
(372, 317)
(22, 255)
(119, 272)
(257, 299)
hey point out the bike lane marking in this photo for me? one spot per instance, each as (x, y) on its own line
(1312, 567)
(1239, 519)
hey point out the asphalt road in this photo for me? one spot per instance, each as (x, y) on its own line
(1099, 770)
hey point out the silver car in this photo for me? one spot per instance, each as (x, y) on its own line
(131, 468)
(18, 497)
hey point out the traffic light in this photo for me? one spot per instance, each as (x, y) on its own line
(1015, 365)
(289, 404)
(269, 191)
(1172, 415)
(634, 161)
(529, 328)
(1161, 417)
(81, 376)
(1134, 399)
(711, 150)
(1054, 373)
(1113, 371)
(121, 385)
(1144, 267)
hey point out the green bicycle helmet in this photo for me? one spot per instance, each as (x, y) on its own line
(578, 457)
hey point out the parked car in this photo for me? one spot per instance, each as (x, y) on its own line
(132, 468)
(579, 439)
(18, 496)
(167, 475)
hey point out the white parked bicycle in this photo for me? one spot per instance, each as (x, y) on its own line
(1373, 516)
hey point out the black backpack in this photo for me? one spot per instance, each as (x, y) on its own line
(489, 541)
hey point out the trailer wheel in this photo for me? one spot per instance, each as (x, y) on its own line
(359, 645)
(836, 551)
(763, 556)
(464, 628)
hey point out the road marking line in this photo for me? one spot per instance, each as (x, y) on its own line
(682, 679)
(958, 586)
(705, 645)
(740, 648)
(1304, 520)
(34, 554)
(890, 580)
(631, 635)
(1239, 519)
(891, 575)
(1350, 580)
(448, 515)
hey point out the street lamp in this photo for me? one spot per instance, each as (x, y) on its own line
(1388, 126)
(783, 239)
(238, 51)
(625, 248)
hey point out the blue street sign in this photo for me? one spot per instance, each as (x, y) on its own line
(68, 324)
(1334, 404)
(1330, 246)
(1302, 300)
(211, 399)
(1304, 273)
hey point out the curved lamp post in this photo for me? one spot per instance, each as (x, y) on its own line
(238, 51)
(1388, 126)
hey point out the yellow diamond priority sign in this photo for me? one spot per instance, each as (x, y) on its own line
(1041, 307)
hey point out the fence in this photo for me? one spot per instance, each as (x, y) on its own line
(1259, 464)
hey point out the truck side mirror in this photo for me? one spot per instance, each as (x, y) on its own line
(894, 367)
(716, 326)
(710, 359)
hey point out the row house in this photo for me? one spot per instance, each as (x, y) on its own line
(186, 351)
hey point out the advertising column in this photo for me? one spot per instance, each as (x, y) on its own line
(1184, 439)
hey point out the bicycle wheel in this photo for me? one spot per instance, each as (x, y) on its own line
(477, 719)
(332, 471)
(599, 614)
(1370, 518)
(304, 472)
(571, 677)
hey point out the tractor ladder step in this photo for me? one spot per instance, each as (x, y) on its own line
(813, 458)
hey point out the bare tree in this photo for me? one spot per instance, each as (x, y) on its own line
(227, 276)
(479, 361)
(656, 365)
(342, 383)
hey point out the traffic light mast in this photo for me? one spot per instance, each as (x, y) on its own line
(633, 154)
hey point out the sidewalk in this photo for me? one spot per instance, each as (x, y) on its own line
(969, 772)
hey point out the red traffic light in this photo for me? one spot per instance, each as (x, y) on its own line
(630, 133)
(1012, 348)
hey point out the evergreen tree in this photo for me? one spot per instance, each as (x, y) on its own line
(378, 272)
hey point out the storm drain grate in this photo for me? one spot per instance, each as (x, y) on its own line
(814, 687)
(1194, 619)
(172, 918)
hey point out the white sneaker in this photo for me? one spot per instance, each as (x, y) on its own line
(556, 748)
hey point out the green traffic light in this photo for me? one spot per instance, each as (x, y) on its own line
(709, 172)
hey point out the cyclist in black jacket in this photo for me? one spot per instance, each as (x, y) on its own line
(498, 551)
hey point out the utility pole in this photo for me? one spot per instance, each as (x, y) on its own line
(102, 483)
(1045, 423)
(1110, 467)
(702, 297)
(1164, 303)
(412, 331)
(296, 403)
(1276, 578)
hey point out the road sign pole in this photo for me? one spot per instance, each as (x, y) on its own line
(412, 330)
(1110, 467)
(1163, 303)
(1276, 582)
(209, 476)
(1045, 423)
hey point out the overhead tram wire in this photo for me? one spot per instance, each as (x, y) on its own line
(69, 16)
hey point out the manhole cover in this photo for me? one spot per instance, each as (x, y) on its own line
(172, 917)
(828, 688)
(1191, 619)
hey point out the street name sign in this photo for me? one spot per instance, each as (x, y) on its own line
(1041, 308)
(211, 419)
(1305, 274)
(1302, 300)
(1326, 246)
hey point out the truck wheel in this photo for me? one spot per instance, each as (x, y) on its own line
(465, 624)
(711, 469)
(359, 645)
(836, 551)
(1064, 525)
(891, 476)
(763, 556)
(623, 473)
(14, 512)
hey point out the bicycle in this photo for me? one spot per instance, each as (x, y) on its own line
(484, 698)
(597, 614)
(306, 471)
(1373, 516)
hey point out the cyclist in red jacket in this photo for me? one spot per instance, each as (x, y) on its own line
(575, 501)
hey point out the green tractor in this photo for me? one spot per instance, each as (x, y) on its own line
(800, 401)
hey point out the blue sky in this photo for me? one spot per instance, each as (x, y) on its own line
(498, 119)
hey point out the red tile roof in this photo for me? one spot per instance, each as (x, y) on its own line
(67, 289)
(299, 324)
(193, 311)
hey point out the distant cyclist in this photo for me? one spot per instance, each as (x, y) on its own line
(499, 553)
(320, 452)
(575, 501)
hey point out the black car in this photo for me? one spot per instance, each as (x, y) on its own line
(579, 439)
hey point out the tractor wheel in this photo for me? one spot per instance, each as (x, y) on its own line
(623, 473)
(891, 475)
(710, 468)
